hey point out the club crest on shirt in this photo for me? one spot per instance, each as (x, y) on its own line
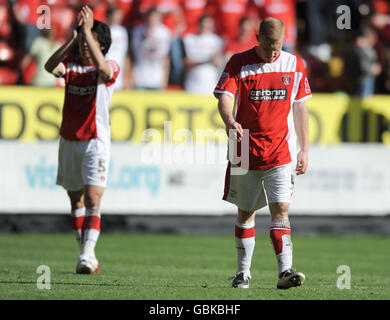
(286, 79)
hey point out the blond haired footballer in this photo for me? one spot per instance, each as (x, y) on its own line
(269, 88)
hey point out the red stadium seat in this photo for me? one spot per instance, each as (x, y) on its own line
(8, 76)
(62, 19)
(5, 26)
(28, 73)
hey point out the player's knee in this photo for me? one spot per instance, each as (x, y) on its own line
(77, 204)
(92, 199)
(76, 199)
(279, 209)
(245, 216)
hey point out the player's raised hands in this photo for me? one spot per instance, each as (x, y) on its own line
(77, 25)
(87, 15)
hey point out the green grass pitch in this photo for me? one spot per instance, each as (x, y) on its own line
(182, 267)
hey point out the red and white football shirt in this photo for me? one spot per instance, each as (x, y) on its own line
(264, 95)
(192, 11)
(85, 114)
(170, 10)
(127, 7)
(227, 15)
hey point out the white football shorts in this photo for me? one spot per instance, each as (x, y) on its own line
(83, 163)
(251, 191)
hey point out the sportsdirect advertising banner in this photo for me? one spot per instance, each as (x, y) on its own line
(31, 114)
(187, 179)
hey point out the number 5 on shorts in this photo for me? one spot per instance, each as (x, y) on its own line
(101, 166)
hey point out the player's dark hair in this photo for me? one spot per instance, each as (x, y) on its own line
(151, 11)
(103, 34)
(110, 10)
(243, 20)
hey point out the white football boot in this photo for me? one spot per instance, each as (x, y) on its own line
(87, 265)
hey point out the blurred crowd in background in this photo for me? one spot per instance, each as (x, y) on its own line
(185, 44)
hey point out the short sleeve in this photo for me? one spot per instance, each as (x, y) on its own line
(114, 73)
(228, 82)
(68, 59)
(304, 91)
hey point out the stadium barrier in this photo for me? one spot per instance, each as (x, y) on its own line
(350, 179)
(187, 178)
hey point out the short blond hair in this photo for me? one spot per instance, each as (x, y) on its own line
(272, 29)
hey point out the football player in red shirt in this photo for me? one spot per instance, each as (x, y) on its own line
(84, 151)
(270, 88)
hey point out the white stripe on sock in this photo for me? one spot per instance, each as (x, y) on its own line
(78, 212)
(280, 223)
(90, 238)
(245, 225)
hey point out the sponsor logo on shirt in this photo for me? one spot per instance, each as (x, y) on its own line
(81, 91)
(267, 94)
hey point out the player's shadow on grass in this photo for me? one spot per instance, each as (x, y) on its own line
(127, 285)
(69, 283)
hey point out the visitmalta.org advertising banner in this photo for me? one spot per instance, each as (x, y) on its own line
(169, 155)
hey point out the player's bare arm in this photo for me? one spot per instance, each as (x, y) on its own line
(225, 110)
(53, 65)
(302, 129)
(96, 54)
